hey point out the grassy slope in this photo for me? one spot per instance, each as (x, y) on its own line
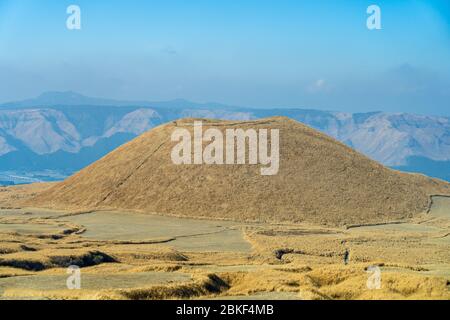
(320, 180)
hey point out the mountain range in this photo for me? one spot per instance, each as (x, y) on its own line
(66, 131)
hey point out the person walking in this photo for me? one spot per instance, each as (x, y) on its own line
(346, 253)
(346, 256)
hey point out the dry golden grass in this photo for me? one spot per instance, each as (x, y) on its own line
(320, 180)
(297, 250)
(201, 285)
(6, 272)
(51, 258)
(14, 196)
(312, 268)
(352, 285)
(411, 267)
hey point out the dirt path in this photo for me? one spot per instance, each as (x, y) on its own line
(440, 206)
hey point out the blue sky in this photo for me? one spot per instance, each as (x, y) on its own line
(312, 54)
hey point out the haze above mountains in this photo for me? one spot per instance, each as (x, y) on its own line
(65, 131)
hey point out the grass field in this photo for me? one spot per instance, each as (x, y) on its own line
(183, 234)
(126, 255)
(91, 281)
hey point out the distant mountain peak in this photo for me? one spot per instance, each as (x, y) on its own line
(72, 98)
(65, 94)
(62, 97)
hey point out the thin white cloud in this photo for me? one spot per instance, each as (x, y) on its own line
(318, 86)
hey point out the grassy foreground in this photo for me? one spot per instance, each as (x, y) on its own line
(204, 259)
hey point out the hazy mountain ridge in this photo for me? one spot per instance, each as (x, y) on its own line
(37, 133)
(392, 138)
